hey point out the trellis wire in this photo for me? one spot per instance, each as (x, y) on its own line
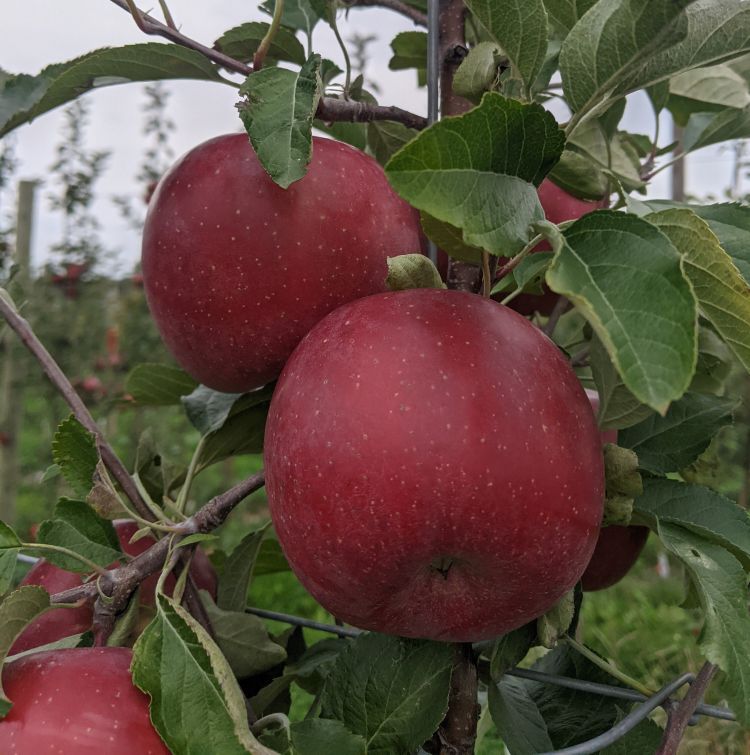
(433, 76)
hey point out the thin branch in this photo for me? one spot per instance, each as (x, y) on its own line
(329, 108)
(119, 583)
(458, 731)
(419, 18)
(58, 378)
(680, 717)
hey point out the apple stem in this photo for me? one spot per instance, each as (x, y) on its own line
(458, 732)
(560, 308)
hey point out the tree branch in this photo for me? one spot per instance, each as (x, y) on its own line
(58, 378)
(120, 582)
(419, 18)
(680, 717)
(329, 108)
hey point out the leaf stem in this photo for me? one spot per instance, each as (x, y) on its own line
(597, 660)
(67, 552)
(185, 489)
(347, 60)
(167, 15)
(514, 262)
(265, 43)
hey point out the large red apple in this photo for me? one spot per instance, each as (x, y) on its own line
(617, 548)
(558, 207)
(76, 702)
(237, 270)
(433, 466)
(63, 622)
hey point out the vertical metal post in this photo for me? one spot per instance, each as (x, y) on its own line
(433, 78)
(11, 372)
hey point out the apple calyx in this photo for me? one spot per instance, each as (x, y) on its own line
(623, 484)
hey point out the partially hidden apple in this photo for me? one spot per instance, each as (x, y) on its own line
(433, 466)
(558, 207)
(237, 270)
(617, 548)
(63, 622)
(76, 702)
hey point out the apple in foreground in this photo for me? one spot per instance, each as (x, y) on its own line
(558, 207)
(617, 548)
(63, 622)
(76, 702)
(237, 270)
(433, 466)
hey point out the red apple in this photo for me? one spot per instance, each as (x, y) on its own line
(558, 206)
(76, 702)
(618, 548)
(63, 622)
(433, 466)
(237, 270)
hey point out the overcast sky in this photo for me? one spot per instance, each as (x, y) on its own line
(34, 33)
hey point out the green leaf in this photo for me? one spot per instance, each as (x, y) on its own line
(477, 171)
(103, 497)
(278, 115)
(723, 295)
(705, 129)
(645, 737)
(241, 42)
(565, 14)
(8, 561)
(553, 624)
(391, 691)
(579, 176)
(76, 527)
(297, 14)
(385, 138)
(721, 585)
(412, 271)
(8, 537)
(517, 718)
(410, 51)
(243, 639)
(520, 28)
(510, 649)
(715, 32)
(705, 512)
(17, 611)
(196, 704)
(271, 559)
(449, 239)
(320, 736)
(625, 276)
(158, 384)
(351, 133)
(24, 97)
(669, 443)
(238, 571)
(74, 451)
(704, 89)
(607, 50)
(208, 409)
(478, 71)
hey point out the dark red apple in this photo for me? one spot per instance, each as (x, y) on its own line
(618, 548)
(558, 206)
(237, 270)
(63, 622)
(433, 466)
(76, 702)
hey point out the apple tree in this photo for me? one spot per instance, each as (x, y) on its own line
(482, 367)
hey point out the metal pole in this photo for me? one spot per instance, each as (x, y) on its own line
(433, 79)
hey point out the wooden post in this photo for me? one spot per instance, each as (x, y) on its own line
(12, 373)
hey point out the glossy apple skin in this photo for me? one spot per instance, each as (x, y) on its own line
(413, 429)
(617, 548)
(558, 206)
(63, 622)
(237, 270)
(76, 702)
